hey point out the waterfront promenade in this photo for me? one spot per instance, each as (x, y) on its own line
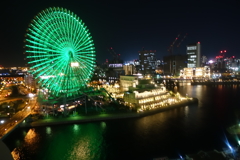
(23, 118)
(47, 121)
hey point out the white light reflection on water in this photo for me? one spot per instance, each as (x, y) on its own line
(186, 111)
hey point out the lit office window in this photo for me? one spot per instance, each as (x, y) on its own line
(192, 48)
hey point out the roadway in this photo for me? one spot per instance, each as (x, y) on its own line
(17, 118)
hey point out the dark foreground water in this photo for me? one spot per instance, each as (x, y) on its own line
(180, 131)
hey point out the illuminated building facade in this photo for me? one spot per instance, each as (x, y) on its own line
(194, 55)
(114, 72)
(146, 95)
(129, 69)
(198, 72)
(147, 62)
(127, 81)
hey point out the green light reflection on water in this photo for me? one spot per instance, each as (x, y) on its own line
(76, 128)
(48, 130)
(77, 141)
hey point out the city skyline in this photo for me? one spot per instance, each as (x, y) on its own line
(129, 26)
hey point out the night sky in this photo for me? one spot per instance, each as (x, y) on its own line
(129, 25)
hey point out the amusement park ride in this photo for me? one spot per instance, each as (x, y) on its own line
(61, 53)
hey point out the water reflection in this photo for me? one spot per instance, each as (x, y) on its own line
(103, 125)
(31, 137)
(31, 141)
(76, 128)
(48, 130)
(77, 141)
(186, 129)
(186, 110)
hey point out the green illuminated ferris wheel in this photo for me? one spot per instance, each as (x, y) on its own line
(60, 51)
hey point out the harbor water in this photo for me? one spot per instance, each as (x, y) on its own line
(180, 131)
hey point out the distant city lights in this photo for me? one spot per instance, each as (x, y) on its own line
(211, 61)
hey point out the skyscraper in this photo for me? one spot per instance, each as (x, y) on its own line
(194, 55)
(147, 61)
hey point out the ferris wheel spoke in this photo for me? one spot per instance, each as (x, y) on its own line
(84, 41)
(41, 55)
(80, 36)
(82, 33)
(85, 47)
(42, 49)
(40, 42)
(48, 61)
(49, 27)
(58, 78)
(42, 32)
(84, 64)
(53, 70)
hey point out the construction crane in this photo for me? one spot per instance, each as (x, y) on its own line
(181, 40)
(170, 49)
(116, 57)
(172, 66)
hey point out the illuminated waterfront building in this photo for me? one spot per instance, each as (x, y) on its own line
(127, 81)
(198, 72)
(146, 95)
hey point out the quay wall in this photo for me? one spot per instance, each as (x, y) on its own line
(213, 83)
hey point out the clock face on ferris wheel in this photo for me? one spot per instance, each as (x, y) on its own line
(60, 51)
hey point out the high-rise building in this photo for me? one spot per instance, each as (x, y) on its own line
(174, 63)
(194, 55)
(147, 61)
(204, 61)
